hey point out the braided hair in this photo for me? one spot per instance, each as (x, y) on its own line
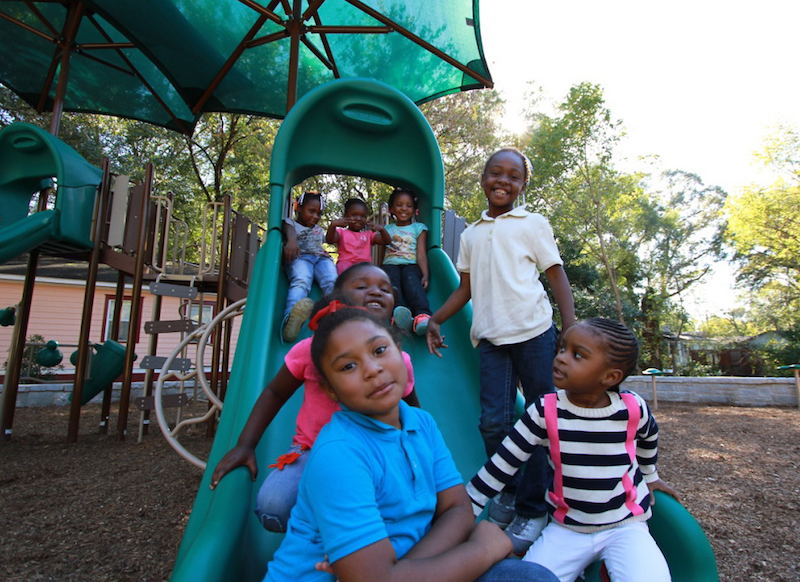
(622, 348)
(526, 163)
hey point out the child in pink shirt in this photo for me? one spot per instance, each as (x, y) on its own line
(362, 285)
(355, 243)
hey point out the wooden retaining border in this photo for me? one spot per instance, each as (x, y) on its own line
(32, 395)
(726, 390)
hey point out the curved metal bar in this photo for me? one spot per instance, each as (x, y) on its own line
(201, 334)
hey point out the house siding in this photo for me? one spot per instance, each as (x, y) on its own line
(57, 308)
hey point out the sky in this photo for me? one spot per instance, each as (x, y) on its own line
(697, 83)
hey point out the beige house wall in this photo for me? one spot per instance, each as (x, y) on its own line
(58, 306)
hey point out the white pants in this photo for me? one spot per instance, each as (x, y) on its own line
(629, 552)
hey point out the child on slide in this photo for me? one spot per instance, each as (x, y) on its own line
(353, 241)
(406, 261)
(602, 444)
(304, 260)
(363, 285)
(381, 498)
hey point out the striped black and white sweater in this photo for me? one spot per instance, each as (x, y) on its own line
(603, 459)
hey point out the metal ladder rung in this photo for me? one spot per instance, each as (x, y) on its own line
(157, 362)
(170, 290)
(169, 326)
(167, 401)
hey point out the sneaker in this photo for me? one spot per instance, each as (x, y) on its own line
(523, 531)
(501, 510)
(402, 318)
(300, 312)
(420, 326)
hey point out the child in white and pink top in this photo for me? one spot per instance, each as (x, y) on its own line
(353, 241)
(363, 285)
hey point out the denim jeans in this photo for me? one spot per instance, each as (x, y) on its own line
(302, 272)
(278, 493)
(530, 362)
(512, 570)
(407, 279)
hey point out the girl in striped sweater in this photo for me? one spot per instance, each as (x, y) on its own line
(602, 444)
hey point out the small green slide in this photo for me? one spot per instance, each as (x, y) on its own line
(365, 128)
(31, 160)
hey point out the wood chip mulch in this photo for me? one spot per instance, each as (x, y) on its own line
(104, 509)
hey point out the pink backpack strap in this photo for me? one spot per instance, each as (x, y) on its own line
(551, 422)
(634, 416)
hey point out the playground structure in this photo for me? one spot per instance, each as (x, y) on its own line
(364, 128)
(55, 203)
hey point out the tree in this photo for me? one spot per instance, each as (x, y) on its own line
(465, 125)
(684, 235)
(764, 228)
(574, 181)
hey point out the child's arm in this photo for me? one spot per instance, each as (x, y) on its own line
(383, 237)
(422, 257)
(452, 550)
(291, 250)
(272, 398)
(331, 236)
(454, 303)
(562, 292)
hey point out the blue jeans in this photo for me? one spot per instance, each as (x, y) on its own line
(407, 279)
(278, 493)
(530, 362)
(511, 570)
(302, 272)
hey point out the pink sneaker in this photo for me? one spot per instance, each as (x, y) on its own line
(420, 326)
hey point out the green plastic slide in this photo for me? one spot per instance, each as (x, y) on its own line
(365, 128)
(32, 159)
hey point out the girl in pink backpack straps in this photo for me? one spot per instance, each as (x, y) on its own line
(602, 444)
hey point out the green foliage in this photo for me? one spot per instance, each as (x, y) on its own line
(693, 368)
(576, 186)
(764, 229)
(467, 132)
(777, 353)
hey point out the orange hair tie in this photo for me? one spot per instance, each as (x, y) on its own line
(331, 307)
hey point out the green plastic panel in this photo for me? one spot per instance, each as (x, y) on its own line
(30, 157)
(173, 60)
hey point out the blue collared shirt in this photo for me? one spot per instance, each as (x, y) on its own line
(365, 481)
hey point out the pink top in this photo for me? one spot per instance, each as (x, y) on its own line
(354, 247)
(317, 407)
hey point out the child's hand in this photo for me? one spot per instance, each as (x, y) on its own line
(659, 485)
(341, 222)
(324, 566)
(491, 538)
(375, 227)
(290, 252)
(236, 457)
(424, 282)
(434, 338)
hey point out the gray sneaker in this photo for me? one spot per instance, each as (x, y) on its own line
(300, 312)
(402, 317)
(502, 510)
(523, 531)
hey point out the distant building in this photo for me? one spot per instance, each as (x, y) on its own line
(732, 356)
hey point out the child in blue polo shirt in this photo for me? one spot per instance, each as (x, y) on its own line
(381, 493)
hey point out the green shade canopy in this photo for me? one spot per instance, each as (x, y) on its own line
(168, 61)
